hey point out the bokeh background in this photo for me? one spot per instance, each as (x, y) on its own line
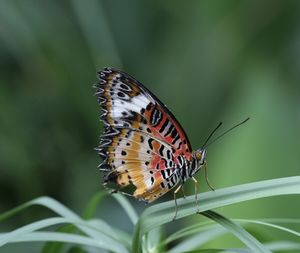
(208, 61)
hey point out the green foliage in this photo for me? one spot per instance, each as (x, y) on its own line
(147, 237)
(208, 61)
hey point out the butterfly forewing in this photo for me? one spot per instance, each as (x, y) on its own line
(142, 144)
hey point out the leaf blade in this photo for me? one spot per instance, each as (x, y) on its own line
(238, 231)
(163, 213)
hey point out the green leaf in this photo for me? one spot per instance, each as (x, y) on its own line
(281, 220)
(205, 231)
(43, 201)
(92, 205)
(192, 229)
(62, 237)
(8, 237)
(102, 240)
(71, 217)
(218, 251)
(291, 231)
(199, 239)
(238, 231)
(128, 208)
(283, 246)
(120, 236)
(56, 247)
(162, 213)
(152, 241)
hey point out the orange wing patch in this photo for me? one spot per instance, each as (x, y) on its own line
(136, 158)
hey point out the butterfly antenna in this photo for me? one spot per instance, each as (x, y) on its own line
(227, 131)
(211, 134)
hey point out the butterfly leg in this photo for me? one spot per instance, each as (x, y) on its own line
(176, 206)
(196, 193)
(182, 189)
(206, 177)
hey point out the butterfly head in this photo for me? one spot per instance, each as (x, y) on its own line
(200, 156)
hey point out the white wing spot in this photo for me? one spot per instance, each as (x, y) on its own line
(135, 105)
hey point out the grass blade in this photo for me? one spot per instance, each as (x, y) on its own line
(152, 241)
(218, 251)
(128, 208)
(63, 211)
(162, 213)
(57, 247)
(102, 239)
(269, 225)
(92, 205)
(190, 230)
(117, 235)
(207, 226)
(62, 237)
(238, 231)
(283, 246)
(199, 239)
(8, 237)
(54, 247)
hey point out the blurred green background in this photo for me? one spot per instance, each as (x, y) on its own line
(208, 61)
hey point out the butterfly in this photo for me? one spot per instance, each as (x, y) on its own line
(143, 145)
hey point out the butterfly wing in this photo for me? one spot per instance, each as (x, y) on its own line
(142, 144)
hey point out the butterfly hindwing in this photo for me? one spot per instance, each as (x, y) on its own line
(142, 143)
